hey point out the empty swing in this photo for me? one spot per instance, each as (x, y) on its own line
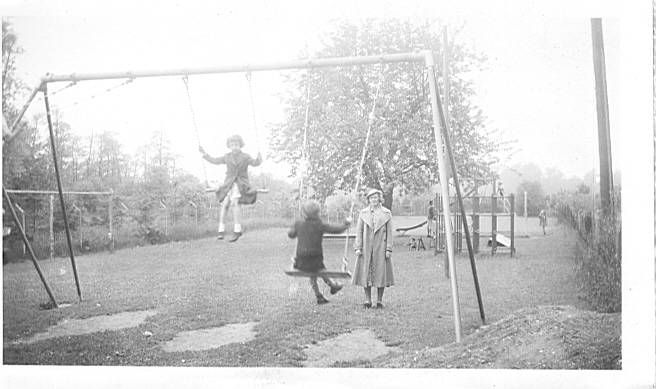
(344, 273)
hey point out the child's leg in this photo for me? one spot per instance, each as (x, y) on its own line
(329, 282)
(317, 292)
(224, 208)
(367, 294)
(315, 287)
(334, 286)
(236, 215)
(380, 295)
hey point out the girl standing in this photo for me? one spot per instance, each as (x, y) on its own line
(373, 248)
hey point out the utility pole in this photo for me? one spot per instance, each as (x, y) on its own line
(603, 122)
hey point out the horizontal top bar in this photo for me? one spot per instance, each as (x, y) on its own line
(426, 56)
(55, 192)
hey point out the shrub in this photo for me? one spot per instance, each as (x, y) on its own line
(599, 266)
(599, 251)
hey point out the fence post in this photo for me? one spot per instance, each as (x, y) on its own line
(166, 217)
(80, 228)
(525, 206)
(22, 212)
(494, 223)
(52, 230)
(476, 226)
(512, 224)
(111, 224)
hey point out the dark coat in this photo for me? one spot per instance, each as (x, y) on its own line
(309, 250)
(237, 172)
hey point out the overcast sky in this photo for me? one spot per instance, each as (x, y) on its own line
(537, 86)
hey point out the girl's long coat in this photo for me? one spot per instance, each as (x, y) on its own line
(373, 236)
(236, 172)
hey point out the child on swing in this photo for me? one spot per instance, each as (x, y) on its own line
(309, 251)
(236, 188)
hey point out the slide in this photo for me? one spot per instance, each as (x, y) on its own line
(405, 229)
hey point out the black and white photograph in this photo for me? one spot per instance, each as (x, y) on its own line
(329, 194)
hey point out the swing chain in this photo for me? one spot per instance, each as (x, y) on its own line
(358, 180)
(304, 152)
(185, 79)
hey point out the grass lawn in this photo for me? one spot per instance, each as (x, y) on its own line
(208, 283)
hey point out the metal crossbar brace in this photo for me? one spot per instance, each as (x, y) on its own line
(239, 68)
(310, 63)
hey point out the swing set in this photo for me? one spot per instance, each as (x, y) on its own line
(441, 134)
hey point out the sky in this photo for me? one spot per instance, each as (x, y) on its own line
(537, 87)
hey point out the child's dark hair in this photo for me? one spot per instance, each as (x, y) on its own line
(310, 209)
(237, 139)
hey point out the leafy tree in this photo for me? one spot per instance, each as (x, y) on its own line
(11, 86)
(402, 146)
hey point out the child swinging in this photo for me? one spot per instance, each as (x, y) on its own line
(309, 230)
(236, 189)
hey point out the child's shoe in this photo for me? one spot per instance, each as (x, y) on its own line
(220, 236)
(234, 237)
(322, 300)
(336, 288)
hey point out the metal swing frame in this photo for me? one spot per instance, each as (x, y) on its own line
(441, 134)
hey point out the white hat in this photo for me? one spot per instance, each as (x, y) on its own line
(373, 191)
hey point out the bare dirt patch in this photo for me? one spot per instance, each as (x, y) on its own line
(210, 338)
(74, 327)
(553, 337)
(359, 345)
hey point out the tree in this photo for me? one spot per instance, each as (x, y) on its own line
(24, 157)
(11, 86)
(402, 146)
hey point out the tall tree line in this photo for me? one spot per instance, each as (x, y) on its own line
(97, 162)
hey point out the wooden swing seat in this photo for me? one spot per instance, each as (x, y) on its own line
(212, 190)
(324, 273)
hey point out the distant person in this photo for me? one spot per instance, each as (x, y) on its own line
(373, 248)
(588, 223)
(430, 218)
(236, 188)
(542, 216)
(501, 192)
(309, 231)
